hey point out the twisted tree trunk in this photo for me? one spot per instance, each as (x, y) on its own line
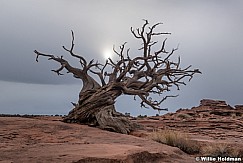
(96, 108)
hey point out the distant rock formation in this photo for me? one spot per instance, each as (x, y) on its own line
(218, 107)
(212, 108)
(213, 103)
(214, 118)
(239, 107)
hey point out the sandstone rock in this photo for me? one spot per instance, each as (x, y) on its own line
(209, 102)
(47, 140)
(239, 107)
(213, 119)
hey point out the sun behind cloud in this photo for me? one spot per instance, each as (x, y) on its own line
(107, 53)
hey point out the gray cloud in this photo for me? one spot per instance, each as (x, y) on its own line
(209, 34)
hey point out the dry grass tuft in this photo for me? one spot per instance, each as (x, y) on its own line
(176, 139)
(221, 150)
(183, 142)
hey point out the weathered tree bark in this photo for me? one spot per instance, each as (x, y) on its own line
(151, 73)
(96, 108)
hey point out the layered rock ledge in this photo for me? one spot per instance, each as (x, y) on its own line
(212, 120)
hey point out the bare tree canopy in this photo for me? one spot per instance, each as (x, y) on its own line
(152, 72)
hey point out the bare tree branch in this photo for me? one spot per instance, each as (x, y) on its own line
(153, 72)
(82, 60)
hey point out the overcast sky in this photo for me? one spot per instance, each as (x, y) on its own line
(209, 34)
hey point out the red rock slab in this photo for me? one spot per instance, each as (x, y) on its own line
(49, 140)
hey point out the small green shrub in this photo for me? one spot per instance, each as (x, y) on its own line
(142, 116)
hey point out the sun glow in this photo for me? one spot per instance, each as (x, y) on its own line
(107, 54)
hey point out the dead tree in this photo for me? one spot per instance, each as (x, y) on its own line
(152, 72)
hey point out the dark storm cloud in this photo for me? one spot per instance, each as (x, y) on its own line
(209, 34)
